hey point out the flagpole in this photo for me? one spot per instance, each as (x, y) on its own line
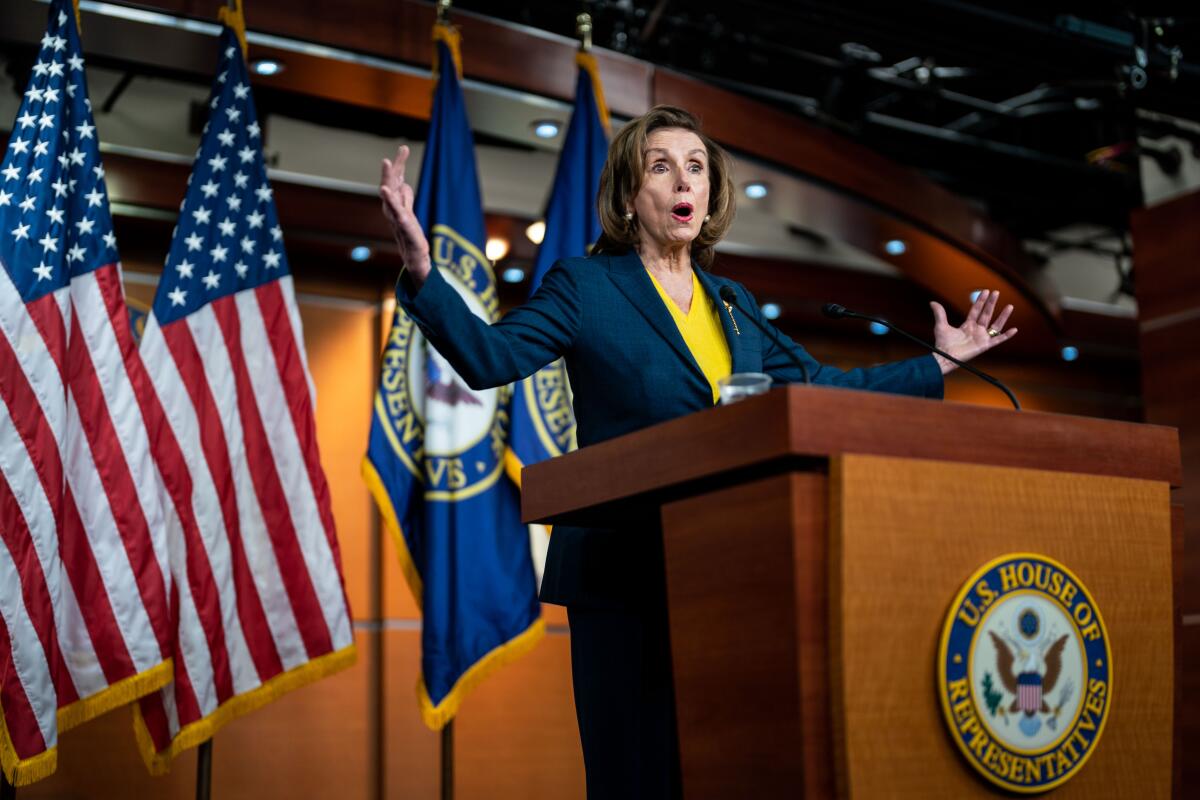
(204, 770)
(448, 761)
(230, 15)
(447, 754)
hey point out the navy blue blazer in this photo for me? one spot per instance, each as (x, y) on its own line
(629, 368)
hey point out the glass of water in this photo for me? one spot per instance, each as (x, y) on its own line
(741, 385)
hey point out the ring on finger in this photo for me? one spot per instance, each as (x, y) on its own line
(993, 332)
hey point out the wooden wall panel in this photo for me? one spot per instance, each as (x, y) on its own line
(339, 339)
(411, 751)
(100, 761)
(516, 735)
(311, 742)
(1165, 243)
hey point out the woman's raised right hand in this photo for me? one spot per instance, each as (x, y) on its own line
(397, 199)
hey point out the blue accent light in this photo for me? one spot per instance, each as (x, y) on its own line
(756, 190)
(771, 310)
(266, 66)
(975, 295)
(877, 328)
(513, 275)
(546, 129)
(360, 253)
(1070, 353)
(895, 247)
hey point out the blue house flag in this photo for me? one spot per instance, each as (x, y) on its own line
(543, 424)
(435, 459)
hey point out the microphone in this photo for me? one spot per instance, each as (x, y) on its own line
(730, 296)
(838, 311)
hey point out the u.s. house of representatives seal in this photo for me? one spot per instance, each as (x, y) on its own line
(1025, 672)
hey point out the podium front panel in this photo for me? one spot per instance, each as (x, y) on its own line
(905, 535)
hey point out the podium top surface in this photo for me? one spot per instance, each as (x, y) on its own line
(794, 424)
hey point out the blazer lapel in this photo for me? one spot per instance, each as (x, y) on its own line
(733, 335)
(629, 275)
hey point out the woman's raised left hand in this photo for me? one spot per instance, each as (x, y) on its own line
(978, 333)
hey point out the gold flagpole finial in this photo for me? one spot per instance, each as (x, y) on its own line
(232, 15)
(583, 30)
(78, 17)
(443, 31)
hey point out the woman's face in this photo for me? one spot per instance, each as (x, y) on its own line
(673, 199)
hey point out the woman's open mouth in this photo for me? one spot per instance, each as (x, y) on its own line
(682, 212)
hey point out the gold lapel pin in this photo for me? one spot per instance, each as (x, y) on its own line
(729, 308)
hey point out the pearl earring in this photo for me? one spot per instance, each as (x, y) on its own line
(629, 216)
(707, 217)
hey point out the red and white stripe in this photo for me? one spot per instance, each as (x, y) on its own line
(83, 569)
(255, 559)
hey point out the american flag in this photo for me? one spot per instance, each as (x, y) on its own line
(84, 564)
(259, 594)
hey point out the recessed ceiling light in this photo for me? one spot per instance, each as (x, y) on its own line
(756, 190)
(895, 247)
(546, 128)
(266, 66)
(536, 231)
(513, 275)
(771, 310)
(496, 248)
(360, 253)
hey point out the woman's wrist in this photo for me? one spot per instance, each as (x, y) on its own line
(944, 364)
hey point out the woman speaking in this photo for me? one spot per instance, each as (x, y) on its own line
(646, 338)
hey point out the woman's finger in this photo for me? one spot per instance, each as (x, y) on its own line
(989, 307)
(976, 307)
(392, 171)
(998, 325)
(939, 313)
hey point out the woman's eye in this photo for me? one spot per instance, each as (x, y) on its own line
(659, 167)
(696, 168)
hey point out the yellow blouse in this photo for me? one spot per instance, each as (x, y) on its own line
(701, 331)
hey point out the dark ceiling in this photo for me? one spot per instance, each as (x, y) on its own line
(1028, 107)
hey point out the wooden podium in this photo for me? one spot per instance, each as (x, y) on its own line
(814, 540)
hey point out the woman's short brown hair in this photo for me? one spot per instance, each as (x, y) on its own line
(621, 180)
